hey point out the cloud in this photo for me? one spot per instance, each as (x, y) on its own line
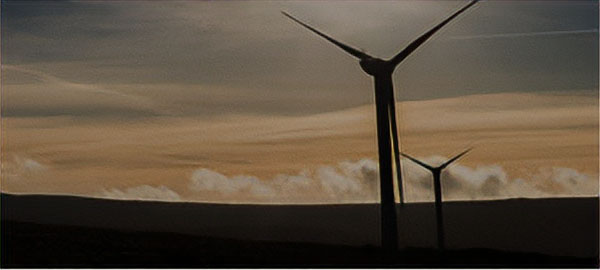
(356, 182)
(31, 165)
(207, 180)
(22, 167)
(347, 182)
(35, 93)
(143, 192)
(528, 34)
(50, 79)
(565, 181)
(260, 63)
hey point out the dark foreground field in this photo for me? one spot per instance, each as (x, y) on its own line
(62, 231)
(33, 245)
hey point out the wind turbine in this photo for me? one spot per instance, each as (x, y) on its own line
(382, 70)
(437, 185)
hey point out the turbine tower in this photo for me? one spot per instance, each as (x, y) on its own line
(437, 185)
(382, 70)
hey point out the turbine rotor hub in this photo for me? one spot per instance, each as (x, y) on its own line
(375, 66)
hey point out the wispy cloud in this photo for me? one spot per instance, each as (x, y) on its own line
(259, 54)
(356, 182)
(63, 95)
(346, 182)
(528, 34)
(48, 78)
(21, 168)
(143, 192)
(294, 158)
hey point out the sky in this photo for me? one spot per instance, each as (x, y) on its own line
(232, 102)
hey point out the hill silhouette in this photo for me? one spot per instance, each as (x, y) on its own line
(67, 231)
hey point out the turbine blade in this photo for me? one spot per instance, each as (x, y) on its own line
(426, 166)
(356, 53)
(396, 143)
(419, 41)
(454, 158)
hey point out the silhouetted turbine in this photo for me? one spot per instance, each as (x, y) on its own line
(382, 70)
(437, 185)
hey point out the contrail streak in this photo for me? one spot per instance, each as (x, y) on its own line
(527, 34)
(67, 84)
(47, 78)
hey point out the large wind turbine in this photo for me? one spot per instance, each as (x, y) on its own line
(382, 70)
(437, 185)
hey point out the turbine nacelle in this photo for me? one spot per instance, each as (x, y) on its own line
(375, 66)
(438, 169)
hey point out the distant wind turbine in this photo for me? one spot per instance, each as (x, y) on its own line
(437, 185)
(382, 70)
